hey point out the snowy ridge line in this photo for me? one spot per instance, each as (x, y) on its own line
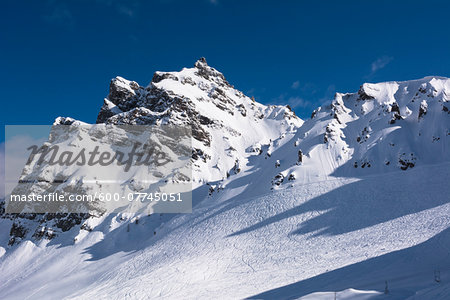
(281, 206)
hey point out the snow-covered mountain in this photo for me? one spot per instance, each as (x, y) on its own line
(382, 128)
(225, 123)
(227, 128)
(279, 205)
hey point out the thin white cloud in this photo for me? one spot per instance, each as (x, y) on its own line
(305, 88)
(292, 101)
(298, 102)
(255, 92)
(126, 11)
(128, 8)
(380, 63)
(251, 92)
(59, 14)
(306, 91)
(328, 95)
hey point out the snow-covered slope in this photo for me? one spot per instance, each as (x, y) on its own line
(234, 247)
(282, 208)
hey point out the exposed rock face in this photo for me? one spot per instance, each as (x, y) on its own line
(223, 120)
(201, 98)
(423, 109)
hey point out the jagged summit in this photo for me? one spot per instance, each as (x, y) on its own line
(201, 62)
(208, 72)
(221, 117)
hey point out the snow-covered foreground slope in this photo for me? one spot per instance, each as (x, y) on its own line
(325, 236)
(344, 202)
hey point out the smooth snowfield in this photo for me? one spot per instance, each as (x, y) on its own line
(324, 236)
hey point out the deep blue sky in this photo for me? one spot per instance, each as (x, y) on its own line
(57, 57)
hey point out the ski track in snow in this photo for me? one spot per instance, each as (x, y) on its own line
(258, 239)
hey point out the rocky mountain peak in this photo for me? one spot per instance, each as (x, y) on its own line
(201, 98)
(201, 63)
(209, 73)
